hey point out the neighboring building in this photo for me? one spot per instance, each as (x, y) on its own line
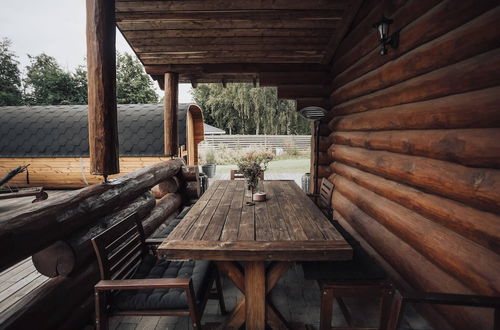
(211, 130)
(54, 141)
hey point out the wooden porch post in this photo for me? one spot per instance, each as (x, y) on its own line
(171, 143)
(101, 66)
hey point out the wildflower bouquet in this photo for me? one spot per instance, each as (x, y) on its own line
(251, 164)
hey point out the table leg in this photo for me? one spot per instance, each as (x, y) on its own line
(272, 316)
(255, 294)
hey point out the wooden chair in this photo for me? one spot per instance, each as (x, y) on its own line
(324, 198)
(134, 282)
(237, 175)
(361, 276)
(401, 299)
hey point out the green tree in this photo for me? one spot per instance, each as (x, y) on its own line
(10, 76)
(79, 78)
(243, 109)
(133, 85)
(46, 83)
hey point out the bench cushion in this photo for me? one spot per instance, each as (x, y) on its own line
(167, 228)
(361, 268)
(160, 299)
(183, 212)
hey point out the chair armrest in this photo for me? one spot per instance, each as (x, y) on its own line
(452, 299)
(154, 241)
(150, 283)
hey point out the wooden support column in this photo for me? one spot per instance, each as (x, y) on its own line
(101, 67)
(171, 143)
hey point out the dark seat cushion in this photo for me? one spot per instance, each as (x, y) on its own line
(361, 268)
(159, 299)
(166, 229)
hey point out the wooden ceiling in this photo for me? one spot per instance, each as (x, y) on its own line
(234, 40)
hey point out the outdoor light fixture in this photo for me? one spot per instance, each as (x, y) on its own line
(383, 30)
(314, 113)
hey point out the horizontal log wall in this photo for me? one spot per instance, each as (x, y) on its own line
(57, 173)
(413, 147)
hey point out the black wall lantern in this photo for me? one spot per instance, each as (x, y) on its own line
(383, 30)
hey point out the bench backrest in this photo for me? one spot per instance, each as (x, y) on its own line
(237, 175)
(120, 248)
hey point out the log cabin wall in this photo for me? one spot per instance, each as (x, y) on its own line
(413, 147)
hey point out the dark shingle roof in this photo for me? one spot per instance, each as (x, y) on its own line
(61, 131)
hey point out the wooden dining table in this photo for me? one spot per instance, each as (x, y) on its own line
(255, 244)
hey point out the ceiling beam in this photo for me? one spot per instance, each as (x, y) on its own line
(235, 54)
(293, 78)
(270, 14)
(229, 47)
(207, 68)
(224, 33)
(277, 23)
(343, 28)
(215, 60)
(227, 41)
(225, 5)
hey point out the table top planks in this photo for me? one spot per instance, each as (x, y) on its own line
(286, 227)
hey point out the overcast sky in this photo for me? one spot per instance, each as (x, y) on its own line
(54, 27)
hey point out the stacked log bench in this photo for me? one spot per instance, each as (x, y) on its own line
(57, 234)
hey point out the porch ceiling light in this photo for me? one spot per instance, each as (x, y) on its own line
(383, 34)
(313, 113)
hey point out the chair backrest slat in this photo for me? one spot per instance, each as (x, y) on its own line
(128, 267)
(118, 259)
(325, 193)
(120, 248)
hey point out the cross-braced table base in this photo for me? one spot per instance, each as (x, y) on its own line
(256, 282)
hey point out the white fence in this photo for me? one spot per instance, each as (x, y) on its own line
(301, 142)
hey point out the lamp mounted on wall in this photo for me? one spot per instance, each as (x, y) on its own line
(316, 114)
(383, 30)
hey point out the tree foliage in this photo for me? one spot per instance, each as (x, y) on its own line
(243, 109)
(46, 83)
(10, 76)
(133, 85)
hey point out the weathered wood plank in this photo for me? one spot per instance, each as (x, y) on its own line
(185, 225)
(276, 218)
(200, 226)
(256, 250)
(214, 229)
(231, 227)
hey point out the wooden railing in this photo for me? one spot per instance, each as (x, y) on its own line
(57, 233)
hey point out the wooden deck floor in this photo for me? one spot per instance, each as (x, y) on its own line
(18, 281)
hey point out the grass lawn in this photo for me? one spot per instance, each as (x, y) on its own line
(276, 166)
